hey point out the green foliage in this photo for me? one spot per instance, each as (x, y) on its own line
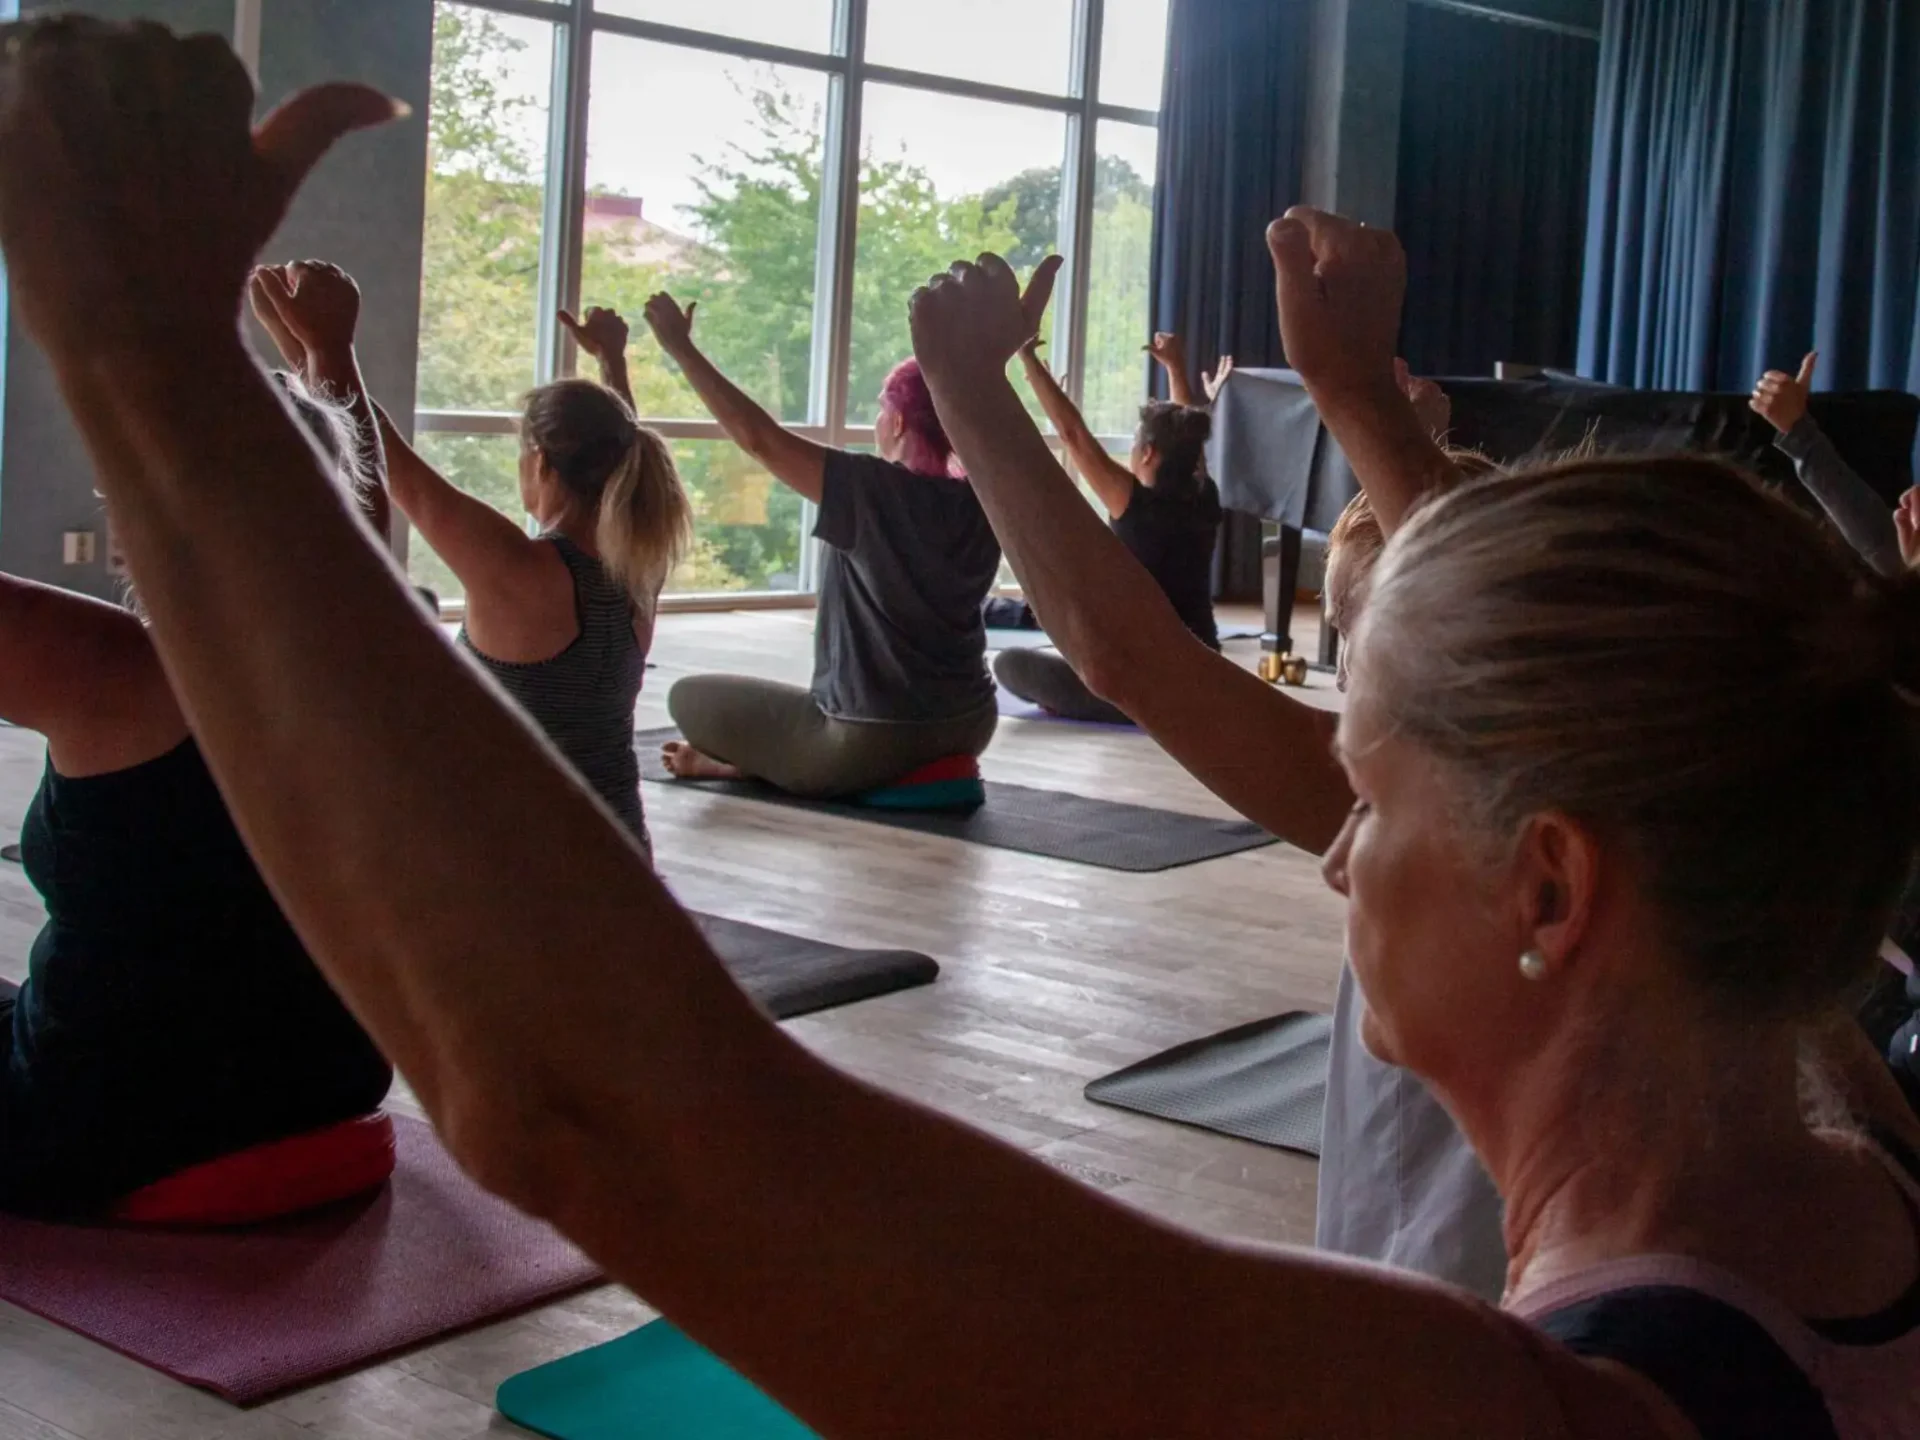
(750, 262)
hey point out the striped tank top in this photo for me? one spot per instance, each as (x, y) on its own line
(584, 696)
(1736, 1362)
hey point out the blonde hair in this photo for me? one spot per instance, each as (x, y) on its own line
(333, 426)
(1685, 664)
(605, 458)
(1356, 541)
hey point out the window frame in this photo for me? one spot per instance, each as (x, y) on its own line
(576, 25)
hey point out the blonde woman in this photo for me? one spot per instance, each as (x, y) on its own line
(563, 619)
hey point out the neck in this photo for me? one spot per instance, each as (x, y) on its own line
(1642, 1135)
(581, 529)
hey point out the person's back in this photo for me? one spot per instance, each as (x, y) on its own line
(563, 621)
(1174, 535)
(900, 677)
(584, 697)
(909, 559)
(170, 1015)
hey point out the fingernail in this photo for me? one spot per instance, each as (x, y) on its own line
(401, 109)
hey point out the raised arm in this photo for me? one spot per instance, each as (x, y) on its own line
(312, 311)
(798, 464)
(1858, 513)
(83, 673)
(1109, 480)
(1264, 753)
(1339, 287)
(1170, 351)
(489, 553)
(603, 336)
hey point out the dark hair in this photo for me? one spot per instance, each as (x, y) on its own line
(1689, 666)
(1178, 435)
(925, 449)
(589, 438)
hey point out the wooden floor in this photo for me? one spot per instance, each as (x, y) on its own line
(1052, 974)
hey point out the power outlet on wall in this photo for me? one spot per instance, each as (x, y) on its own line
(79, 547)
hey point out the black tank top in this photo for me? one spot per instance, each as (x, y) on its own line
(1174, 537)
(584, 696)
(170, 1014)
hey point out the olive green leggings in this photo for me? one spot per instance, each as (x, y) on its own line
(779, 733)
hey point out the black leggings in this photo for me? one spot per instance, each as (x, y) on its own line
(1044, 678)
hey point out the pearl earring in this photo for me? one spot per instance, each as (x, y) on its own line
(1533, 965)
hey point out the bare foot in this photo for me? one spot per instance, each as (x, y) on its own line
(687, 763)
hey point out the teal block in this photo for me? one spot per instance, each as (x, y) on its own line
(934, 795)
(654, 1384)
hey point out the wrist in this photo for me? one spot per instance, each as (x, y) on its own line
(1380, 395)
(335, 367)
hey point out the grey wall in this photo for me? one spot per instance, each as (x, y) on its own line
(365, 207)
(46, 482)
(362, 209)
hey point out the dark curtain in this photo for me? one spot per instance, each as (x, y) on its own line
(1496, 134)
(1755, 194)
(1231, 129)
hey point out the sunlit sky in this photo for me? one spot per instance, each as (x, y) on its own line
(655, 108)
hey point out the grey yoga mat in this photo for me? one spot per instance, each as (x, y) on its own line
(1053, 823)
(1265, 1082)
(791, 975)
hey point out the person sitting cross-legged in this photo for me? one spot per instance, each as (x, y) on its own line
(900, 678)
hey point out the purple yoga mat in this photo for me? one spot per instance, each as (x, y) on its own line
(1014, 708)
(250, 1313)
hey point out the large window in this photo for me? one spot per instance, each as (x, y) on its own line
(795, 166)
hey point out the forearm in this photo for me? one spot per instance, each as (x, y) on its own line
(1092, 597)
(1266, 755)
(409, 477)
(350, 730)
(1859, 514)
(1179, 390)
(746, 423)
(614, 375)
(1067, 421)
(1394, 458)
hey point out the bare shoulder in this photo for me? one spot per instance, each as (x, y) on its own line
(522, 610)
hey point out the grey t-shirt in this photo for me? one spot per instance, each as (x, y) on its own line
(909, 559)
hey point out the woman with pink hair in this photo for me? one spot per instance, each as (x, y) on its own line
(900, 680)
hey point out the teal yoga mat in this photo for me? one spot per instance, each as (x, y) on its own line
(654, 1384)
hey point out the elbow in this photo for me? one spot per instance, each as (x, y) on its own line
(509, 1141)
(1107, 667)
(545, 1153)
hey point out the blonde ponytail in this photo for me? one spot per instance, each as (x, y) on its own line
(645, 524)
(619, 471)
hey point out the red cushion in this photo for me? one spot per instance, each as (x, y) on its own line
(283, 1177)
(948, 767)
